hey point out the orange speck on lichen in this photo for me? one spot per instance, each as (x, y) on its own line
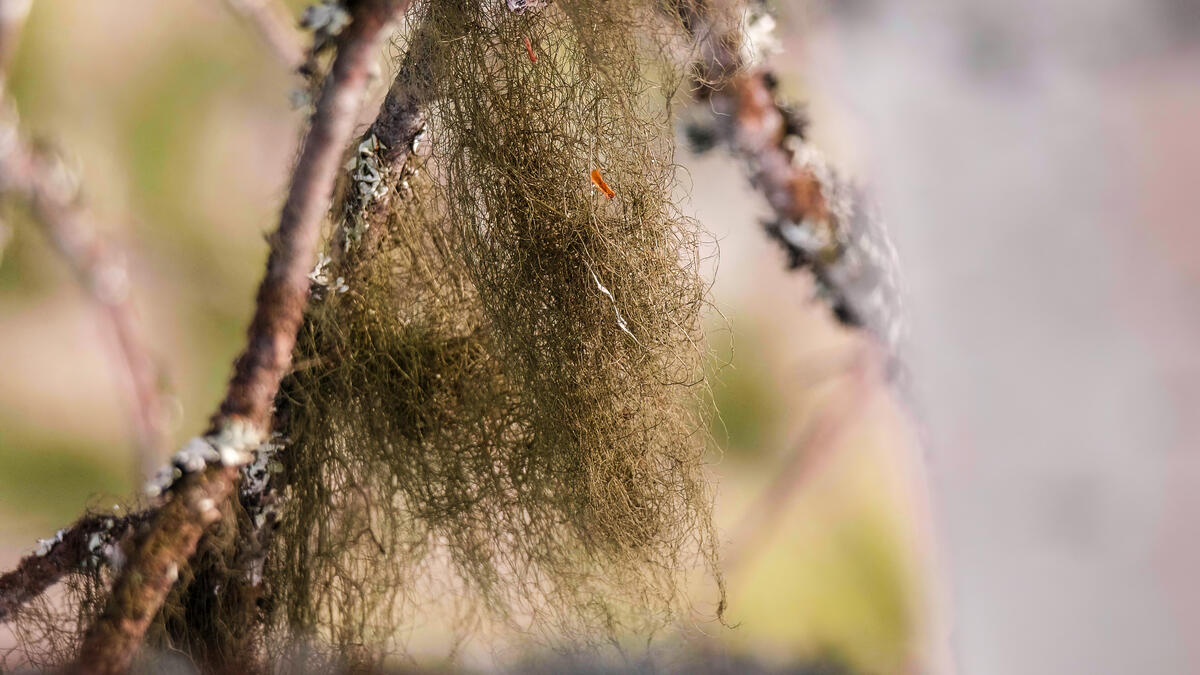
(598, 180)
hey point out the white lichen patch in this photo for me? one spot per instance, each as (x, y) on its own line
(353, 228)
(195, 455)
(806, 236)
(758, 35)
(325, 19)
(259, 498)
(368, 174)
(318, 275)
(525, 5)
(320, 278)
(367, 170)
(46, 545)
(162, 480)
(236, 442)
(257, 473)
(103, 548)
(233, 445)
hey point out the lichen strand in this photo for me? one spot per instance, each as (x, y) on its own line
(504, 403)
(43, 633)
(496, 404)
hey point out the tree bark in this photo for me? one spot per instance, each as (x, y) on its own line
(193, 502)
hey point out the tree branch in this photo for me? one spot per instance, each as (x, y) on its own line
(398, 125)
(821, 219)
(195, 500)
(69, 550)
(396, 131)
(40, 179)
(12, 20)
(274, 25)
(807, 457)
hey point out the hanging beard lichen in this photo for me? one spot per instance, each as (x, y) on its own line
(508, 395)
(505, 406)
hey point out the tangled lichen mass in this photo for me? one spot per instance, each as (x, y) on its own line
(503, 394)
(514, 378)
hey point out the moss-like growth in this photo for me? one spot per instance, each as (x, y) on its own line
(504, 406)
(505, 401)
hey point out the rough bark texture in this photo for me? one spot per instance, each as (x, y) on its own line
(35, 573)
(397, 127)
(821, 220)
(111, 643)
(194, 501)
(284, 292)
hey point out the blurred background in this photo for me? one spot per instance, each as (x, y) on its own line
(1037, 165)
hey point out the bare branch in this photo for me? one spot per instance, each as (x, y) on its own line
(40, 179)
(275, 25)
(399, 124)
(818, 445)
(67, 551)
(195, 501)
(12, 20)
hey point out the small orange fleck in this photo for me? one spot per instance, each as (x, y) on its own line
(529, 48)
(599, 181)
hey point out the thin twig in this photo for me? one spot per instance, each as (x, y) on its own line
(817, 446)
(69, 551)
(12, 20)
(40, 179)
(195, 501)
(274, 24)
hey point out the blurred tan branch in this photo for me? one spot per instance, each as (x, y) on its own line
(817, 445)
(275, 25)
(12, 19)
(40, 179)
(195, 500)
